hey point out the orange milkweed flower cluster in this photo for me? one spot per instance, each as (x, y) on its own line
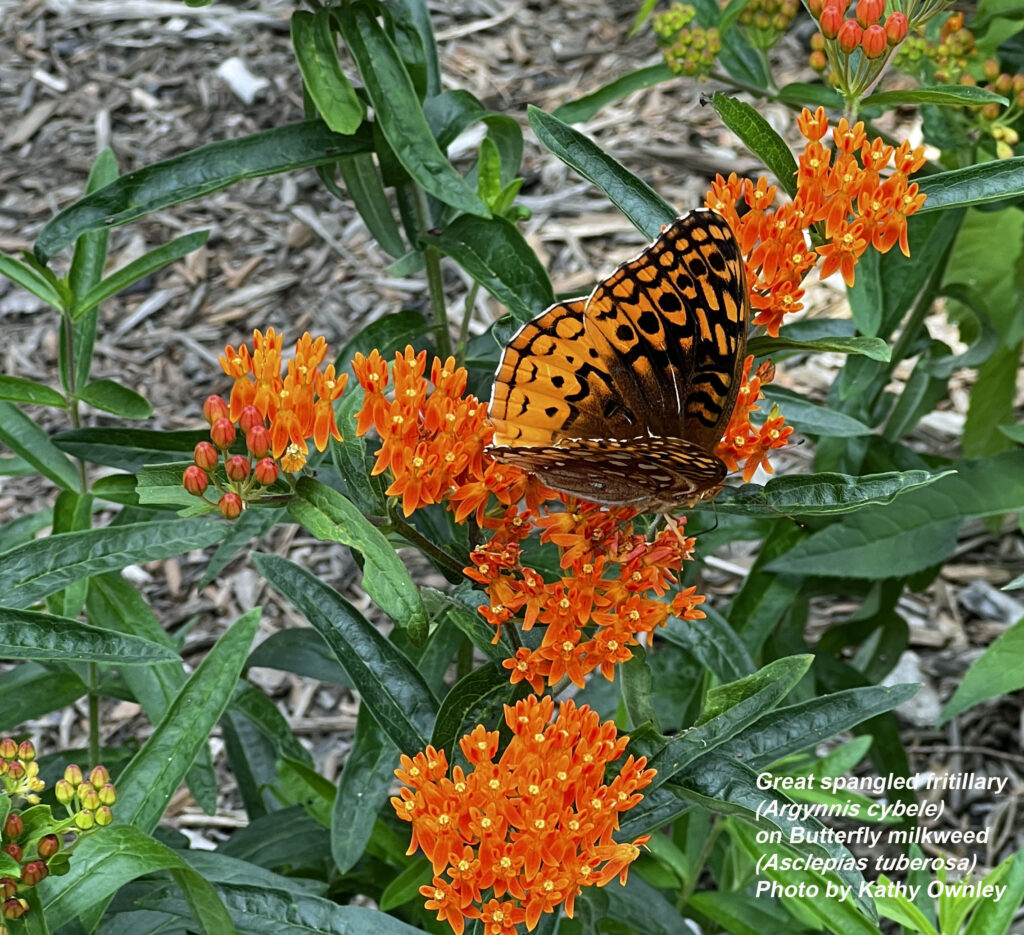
(850, 194)
(518, 836)
(278, 415)
(432, 435)
(744, 443)
(593, 614)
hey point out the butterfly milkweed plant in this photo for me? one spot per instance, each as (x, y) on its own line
(630, 569)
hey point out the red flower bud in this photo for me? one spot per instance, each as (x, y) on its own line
(849, 36)
(215, 408)
(48, 845)
(13, 827)
(257, 440)
(223, 433)
(831, 19)
(195, 480)
(13, 850)
(895, 28)
(8, 887)
(266, 472)
(14, 908)
(8, 748)
(206, 456)
(33, 872)
(26, 751)
(873, 41)
(16, 770)
(237, 468)
(230, 505)
(870, 11)
(249, 417)
(817, 60)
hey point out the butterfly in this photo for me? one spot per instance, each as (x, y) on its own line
(621, 397)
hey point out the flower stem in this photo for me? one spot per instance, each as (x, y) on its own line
(435, 284)
(412, 535)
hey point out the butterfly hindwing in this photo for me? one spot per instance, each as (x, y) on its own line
(654, 473)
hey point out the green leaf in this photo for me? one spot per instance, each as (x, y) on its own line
(129, 449)
(317, 54)
(138, 269)
(730, 708)
(406, 886)
(26, 277)
(111, 396)
(995, 918)
(713, 643)
(874, 348)
(398, 111)
(810, 95)
(583, 108)
(990, 181)
(27, 634)
(42, 567)
(854, 915)
(759, 137)
(364, 186)
(106, 861)
(822, 494)
(790, 729)
(112, 600)
(196, 173)
(147, 783)
(813, 419)
(477, 698)
(258, 910)
(160, 485)
(363, 790)
(29, 691)
(328, 515)
(644, 207)
(301, 651)
(953, 95)
(999, 670)
(881, 542)
(387, 682)
(495, 254)
(19, 433)
(28, 391)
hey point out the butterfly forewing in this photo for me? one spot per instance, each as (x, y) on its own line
(553, 382)
(677, 317)
(623, 396)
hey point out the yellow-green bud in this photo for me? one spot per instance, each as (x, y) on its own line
(88, 796)
(64, 791)
(8, 748)
(107, 794)
(98, 776)
(84, 820)
(26, 751)
(104, 816)
(73, 774)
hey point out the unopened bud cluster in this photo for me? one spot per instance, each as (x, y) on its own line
(30, 835)
(689, 50)
(855, 40)
(955, 59)
(244, 477)
(764, 22)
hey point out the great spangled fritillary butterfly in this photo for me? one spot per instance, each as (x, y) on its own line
(621, 397)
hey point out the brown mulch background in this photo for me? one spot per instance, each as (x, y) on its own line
(141, 76)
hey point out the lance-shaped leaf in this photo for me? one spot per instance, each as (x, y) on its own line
(329, 515)
(759, 137)
(387, 681)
